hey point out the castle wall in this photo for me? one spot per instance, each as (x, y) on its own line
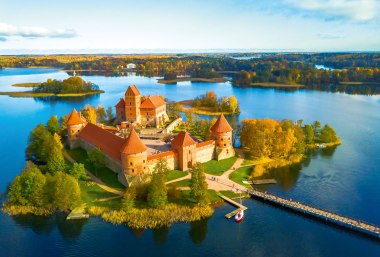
(172, 162)
(169, 129)
(205, 153)
(112, 164)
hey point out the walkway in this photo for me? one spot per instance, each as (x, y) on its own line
(96, 180)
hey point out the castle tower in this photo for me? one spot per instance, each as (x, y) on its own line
(75, 124)
(222, 134)
(133, 155)
(187, 150)
(120, 111)
(132, 104)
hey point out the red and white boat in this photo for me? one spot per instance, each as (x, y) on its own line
(239, 216)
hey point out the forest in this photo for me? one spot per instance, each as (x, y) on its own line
(71, 85)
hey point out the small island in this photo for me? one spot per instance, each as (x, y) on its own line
(208, 104)
(70, 87)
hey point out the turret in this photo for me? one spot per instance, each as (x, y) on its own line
(187, 150)
(132, 100)
(134, 155)
(75, 124)
(222, 134)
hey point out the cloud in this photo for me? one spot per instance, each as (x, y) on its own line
(354, 10)
(7, 30)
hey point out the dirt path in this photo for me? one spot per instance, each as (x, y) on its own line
(188, 176)
(96, 180)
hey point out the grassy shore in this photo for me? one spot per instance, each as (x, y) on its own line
(32, 94)
(276, 85)
(181, 79)
(34, 84)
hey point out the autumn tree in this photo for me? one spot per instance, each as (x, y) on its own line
(55, 160)
(90, 114)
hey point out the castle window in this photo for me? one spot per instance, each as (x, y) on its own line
(189, 152)
(72, 131)
(133, 170)
(130, 163)
(143, 161)
(78, 130)
(224, 144)
(222, 139)
(130, 103)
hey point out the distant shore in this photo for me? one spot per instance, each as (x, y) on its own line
(181, 79)
(275, 85)
(30, 84)
(32, 94)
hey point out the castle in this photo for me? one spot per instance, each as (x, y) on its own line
(150, 112)
(130, 156)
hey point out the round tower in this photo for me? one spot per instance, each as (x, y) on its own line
(75, 124)
(222, 134)
(134, 155)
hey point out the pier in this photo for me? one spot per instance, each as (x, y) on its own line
(323, 215)
(232, 202)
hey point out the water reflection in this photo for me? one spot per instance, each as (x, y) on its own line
(73, 100)
(69, 229)
(160, 235)
(198, 231)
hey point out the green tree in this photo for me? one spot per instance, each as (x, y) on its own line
(55, 160)
(101, 114)
(109, 113)
(27, 188)
(198, 185)
(78, 171)
(157, 191)
(97, 159)
(36, 139)
(328, 135)
(309, 134)
(64, 191)
(53, 125)
(317, 128)
(128, 201)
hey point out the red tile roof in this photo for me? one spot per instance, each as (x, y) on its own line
(182, 139)
(109, 143)
(121, 103)
(133, 144)
(205, 143)
(75, 118)
(133, 89)
(221, 125)
(153, 102)
(161, 155)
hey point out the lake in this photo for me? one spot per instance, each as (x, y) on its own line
(345, 180)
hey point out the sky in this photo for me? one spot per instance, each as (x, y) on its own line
(72, 26)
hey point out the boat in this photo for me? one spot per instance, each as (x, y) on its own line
(239, 216)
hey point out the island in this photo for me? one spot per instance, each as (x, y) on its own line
(207, 104)
(148, 168)
(70, 87)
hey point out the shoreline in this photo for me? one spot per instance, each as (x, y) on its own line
(31, 94)
(183, 79)
(200, 110)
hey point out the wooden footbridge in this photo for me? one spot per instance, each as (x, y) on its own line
(337, 219)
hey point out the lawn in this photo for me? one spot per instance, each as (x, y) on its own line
(229, 194)
(217, 168)
(242, 173)
(182, 183)
(91, 192)
(174, 174)
(185, 198)
(105, 174)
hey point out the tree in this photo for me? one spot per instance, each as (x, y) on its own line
(101, 114)
(78, 171)
(89, 113)
(198, 185)
(309, 134)
(128, 201)
(36, 139)
(27, 188)
(55, 160)
(64, 191)
(328, 134)
(97, 158)
(157, 191)
(53, 125)
(317, 128)
(109, 113)
(233, 104)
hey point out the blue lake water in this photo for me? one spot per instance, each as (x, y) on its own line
(344, 180)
